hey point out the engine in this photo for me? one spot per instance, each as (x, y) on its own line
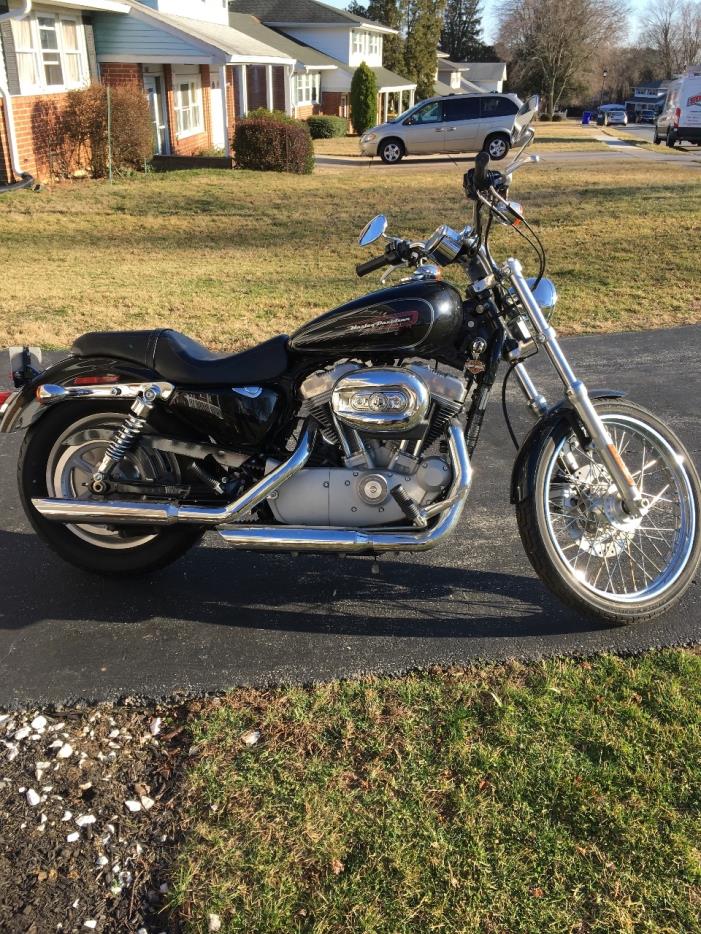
(381, 425)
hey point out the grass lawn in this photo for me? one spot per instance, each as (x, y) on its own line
(555, 797)
(234, 257)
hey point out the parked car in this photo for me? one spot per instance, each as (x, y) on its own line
(456, 123)
(680, 120)
(611, 115)
(646, 116)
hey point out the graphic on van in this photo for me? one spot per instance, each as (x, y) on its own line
(694, 101)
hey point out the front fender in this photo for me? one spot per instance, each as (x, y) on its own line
(524, 466)
(24, 408)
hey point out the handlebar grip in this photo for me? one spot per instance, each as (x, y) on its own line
(481, 176)
(377, 262)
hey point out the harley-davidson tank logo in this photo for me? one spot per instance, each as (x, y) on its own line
(399, 321)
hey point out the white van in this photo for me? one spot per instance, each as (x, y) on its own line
(680, 121)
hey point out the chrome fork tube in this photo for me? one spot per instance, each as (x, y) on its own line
(576, 392)
(536, 401)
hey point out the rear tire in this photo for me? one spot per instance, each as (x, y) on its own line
(497, 146)
(574, 576)
(129, 551)
(655, 138)
(670, 139)
(391, 151)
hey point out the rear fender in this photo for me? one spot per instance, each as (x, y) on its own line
(524, 467)
(24, 408)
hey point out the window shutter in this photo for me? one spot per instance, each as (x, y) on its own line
(90, 46)
(8, 46)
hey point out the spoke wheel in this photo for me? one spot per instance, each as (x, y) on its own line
(587, 547)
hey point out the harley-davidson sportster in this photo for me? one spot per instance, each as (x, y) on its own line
(355, 434)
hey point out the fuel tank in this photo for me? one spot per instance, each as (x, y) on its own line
(421, 318)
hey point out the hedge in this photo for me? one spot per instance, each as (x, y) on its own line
(269, 145)
(327, 127)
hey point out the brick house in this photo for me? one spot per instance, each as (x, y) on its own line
(345, 40)
(199, 74)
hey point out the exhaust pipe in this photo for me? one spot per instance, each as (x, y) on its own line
(282, 537)
(87, 512)
(370, 542)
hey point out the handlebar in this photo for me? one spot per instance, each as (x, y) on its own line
(388, 258)
(480, 178)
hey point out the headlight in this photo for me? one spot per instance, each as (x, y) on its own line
(368, 138)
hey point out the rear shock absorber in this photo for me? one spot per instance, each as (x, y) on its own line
(125, 437)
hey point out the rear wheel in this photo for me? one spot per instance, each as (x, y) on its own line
(391, 151)
(582, 543)
(58, 456)
(497, 146)
(670, 139)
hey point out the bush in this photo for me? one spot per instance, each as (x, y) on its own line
(84, 128)
(557, 118)
(363, 95)
(276, 116)
(327, 127)
(545, 117)
(273, 146)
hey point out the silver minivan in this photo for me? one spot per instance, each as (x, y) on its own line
(456, 123)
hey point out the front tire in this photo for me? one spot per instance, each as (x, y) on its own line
(54, 461)
(580, 541)
(391, 151)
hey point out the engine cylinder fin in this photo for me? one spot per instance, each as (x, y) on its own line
(445, 410)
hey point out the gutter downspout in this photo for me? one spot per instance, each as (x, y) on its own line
(26, 179)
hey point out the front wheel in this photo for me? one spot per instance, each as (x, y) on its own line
(57, 459)
(579, 538)
(391, 151)
(497, 146)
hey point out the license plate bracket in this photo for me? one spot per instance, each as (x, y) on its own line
(25, 364)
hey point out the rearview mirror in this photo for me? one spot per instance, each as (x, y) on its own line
(373, 230)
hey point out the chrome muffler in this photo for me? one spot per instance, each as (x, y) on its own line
(281, 537)
(112, 512)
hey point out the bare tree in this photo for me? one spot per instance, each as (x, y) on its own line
(673, 29)
(552, 44)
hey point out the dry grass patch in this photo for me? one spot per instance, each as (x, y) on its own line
(234, 257)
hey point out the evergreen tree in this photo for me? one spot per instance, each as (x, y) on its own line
(363, 98)
(424, 19)
(389, 14)
(462, 25)
(356, 8)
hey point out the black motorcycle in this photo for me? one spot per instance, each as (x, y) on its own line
(355, 434)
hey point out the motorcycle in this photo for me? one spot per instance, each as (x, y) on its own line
(355, 435)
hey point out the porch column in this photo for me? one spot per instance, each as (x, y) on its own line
(412, 94)
(225, 108)
(269, 85)
(288, 90)
(243, 91)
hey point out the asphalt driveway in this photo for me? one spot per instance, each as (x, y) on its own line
(221, 618)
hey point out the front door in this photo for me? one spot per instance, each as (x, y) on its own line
(217, 104)
(425, 130)
(153, 85)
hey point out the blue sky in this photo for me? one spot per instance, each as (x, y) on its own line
(490, 7)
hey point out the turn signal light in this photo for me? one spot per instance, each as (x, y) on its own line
(4, 396)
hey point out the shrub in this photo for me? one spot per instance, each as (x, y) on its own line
(327, 127)
(273, 146)
(84, 126)
(557, 118)
(363, 95)
(545, 117)
(276, 116)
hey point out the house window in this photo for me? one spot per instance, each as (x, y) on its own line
(359, 42)
(374, 47)
(51, 53)
(188, 105)
(306, 88)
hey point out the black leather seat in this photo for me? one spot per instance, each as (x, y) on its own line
(179, 359)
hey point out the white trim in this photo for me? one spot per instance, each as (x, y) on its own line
(97, 6)
(242, 84)
(288, 89)
(375, 27)
(225, 107)
(156, 59)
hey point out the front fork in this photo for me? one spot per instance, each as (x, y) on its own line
(575, 390)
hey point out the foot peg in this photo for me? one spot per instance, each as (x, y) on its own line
(408, 506)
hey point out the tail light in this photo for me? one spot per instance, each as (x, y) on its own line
(4, 397)
(95, 380)
(677, 115)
